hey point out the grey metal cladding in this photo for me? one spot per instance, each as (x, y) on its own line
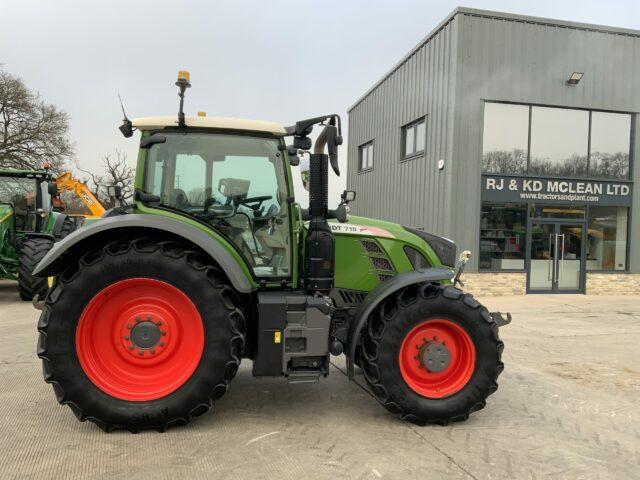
(52, 263)
(475, 56)
(421, 86)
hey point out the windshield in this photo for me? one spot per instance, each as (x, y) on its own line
(235, 183)
(21, 193)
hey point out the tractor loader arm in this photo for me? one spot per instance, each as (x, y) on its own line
(67, 183)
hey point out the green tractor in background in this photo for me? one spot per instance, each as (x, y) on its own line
(155, 305)
(28, 227)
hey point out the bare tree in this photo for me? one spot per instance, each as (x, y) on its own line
(32, 131)
(116, 171)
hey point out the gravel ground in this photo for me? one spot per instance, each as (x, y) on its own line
(567, 407)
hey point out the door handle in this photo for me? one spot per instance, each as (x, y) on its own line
(561, 256)
(550, 259)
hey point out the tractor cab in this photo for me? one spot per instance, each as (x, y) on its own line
(27, 194)
(230, 175)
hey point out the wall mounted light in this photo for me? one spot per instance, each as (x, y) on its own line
(575, 78)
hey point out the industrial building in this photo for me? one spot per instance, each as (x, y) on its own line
(515, 137)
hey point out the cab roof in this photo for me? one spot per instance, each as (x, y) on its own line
(14, 172)
(156, 123)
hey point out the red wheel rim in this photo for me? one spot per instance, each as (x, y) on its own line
(440, 342)
(139, 339)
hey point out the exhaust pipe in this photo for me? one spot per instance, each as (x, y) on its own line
(320, 244)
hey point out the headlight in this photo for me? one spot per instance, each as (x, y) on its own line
(444, 248)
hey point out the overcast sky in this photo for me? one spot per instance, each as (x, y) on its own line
(271, 60)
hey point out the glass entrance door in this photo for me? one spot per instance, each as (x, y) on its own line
(556, 262)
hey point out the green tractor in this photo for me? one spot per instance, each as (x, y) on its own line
(154, 306)
(28, 227)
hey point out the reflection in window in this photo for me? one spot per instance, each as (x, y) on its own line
(503, 230)
(559, 142)
(365, 156)
(414, 140)
(607, 238)
(556, 211)
(610, 145)
(504, 144)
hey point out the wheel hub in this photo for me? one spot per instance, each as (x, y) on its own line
(145, 335)
(434, 356)
(437, 358)
(139, 339)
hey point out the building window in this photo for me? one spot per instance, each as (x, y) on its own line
(607, 238)
(559, 142)
(505, 139)
(503, 231)
(413, 138)
(610, 141)
(365, 156)
(555, 142)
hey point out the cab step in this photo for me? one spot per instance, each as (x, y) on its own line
(304, 377)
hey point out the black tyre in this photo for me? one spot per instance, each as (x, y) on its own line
(431, 354)
(68, 226)
(31, 251)
(179, 335)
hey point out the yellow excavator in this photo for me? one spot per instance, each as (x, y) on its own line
(66, 182)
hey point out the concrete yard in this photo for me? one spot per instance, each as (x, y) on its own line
(567, 407)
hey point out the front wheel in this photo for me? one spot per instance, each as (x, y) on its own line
(431, 354)
(141, 335)
(31, 251)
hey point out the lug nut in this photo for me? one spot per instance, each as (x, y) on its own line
(126, 337)
(131, 347)
(140, 352)
(153, 352)
(161, 344)
(129, 327)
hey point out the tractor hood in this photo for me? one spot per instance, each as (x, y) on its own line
(437, 250)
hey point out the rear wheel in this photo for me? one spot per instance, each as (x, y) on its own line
(32, 250)
(141, 335)
(431, 354)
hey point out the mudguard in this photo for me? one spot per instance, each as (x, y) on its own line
(54, 262)
(382, 291)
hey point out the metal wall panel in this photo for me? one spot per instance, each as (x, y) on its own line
(471, 57)
(412, 192)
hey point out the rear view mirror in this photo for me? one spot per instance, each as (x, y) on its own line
(348, 196)
(52, 187)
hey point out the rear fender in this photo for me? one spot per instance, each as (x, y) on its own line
(378, 294)
(124, 226)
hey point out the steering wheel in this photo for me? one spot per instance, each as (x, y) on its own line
(256, 201)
